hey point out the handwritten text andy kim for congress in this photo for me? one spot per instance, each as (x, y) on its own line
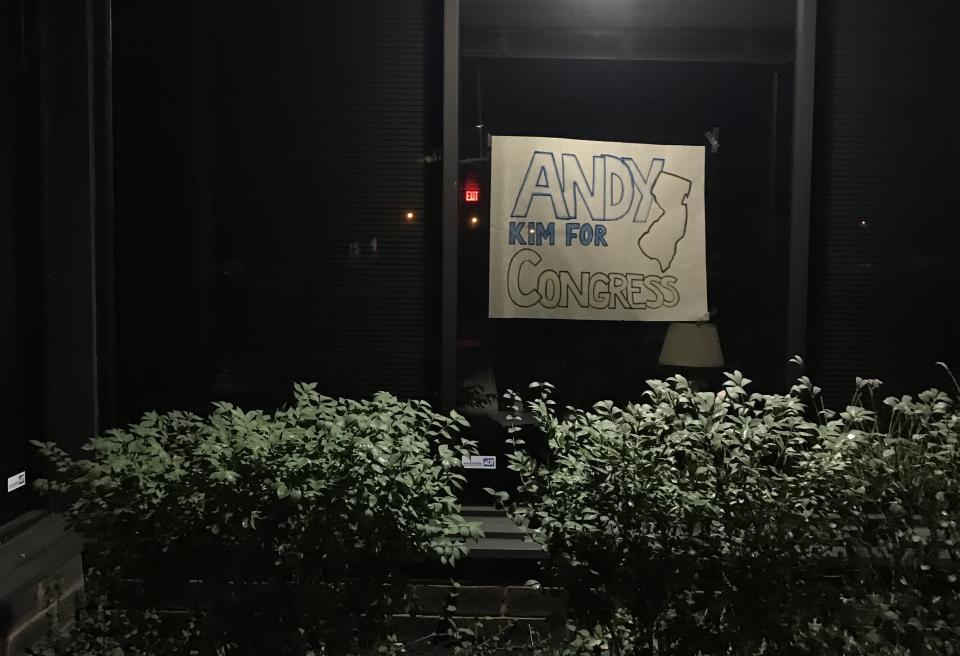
(575, 209)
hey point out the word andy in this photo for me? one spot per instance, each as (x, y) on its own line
(616, 187)
(537, 233)
(529, 284)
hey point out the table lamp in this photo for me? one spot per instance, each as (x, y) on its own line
(693, 346)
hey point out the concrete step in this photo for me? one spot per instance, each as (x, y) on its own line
(481, 511)
(502, 538)
(505, 549)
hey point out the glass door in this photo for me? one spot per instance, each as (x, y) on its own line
(656, 73)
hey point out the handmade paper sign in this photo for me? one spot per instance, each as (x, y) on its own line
(596, 230)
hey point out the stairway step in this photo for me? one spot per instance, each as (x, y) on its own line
(500, 527)
(481, 511)
(495, 523)
(505, 548)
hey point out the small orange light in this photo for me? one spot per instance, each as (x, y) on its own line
(474, 220)
(410, 216)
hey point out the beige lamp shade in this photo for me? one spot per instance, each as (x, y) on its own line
(691, 345)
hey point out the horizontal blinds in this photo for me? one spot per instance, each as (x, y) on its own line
(885, 269)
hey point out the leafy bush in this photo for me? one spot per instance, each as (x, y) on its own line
(293, 521)
(96, 631)
(691, 524)
(738, 523)
(900, 512)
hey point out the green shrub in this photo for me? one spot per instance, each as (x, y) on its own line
(738, 523)
(900, 512)
(97, 631)
(293, 521)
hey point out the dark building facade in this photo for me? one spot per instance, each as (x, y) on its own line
(210, 200)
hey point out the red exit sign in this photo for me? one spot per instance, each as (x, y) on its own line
(472, 196)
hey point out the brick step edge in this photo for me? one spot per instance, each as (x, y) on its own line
(487, 601)
(431, 630)
(422, 598)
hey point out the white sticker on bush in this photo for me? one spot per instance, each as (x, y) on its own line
(480, 462)
(16, 481)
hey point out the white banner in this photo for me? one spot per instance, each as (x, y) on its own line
(596, 230)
